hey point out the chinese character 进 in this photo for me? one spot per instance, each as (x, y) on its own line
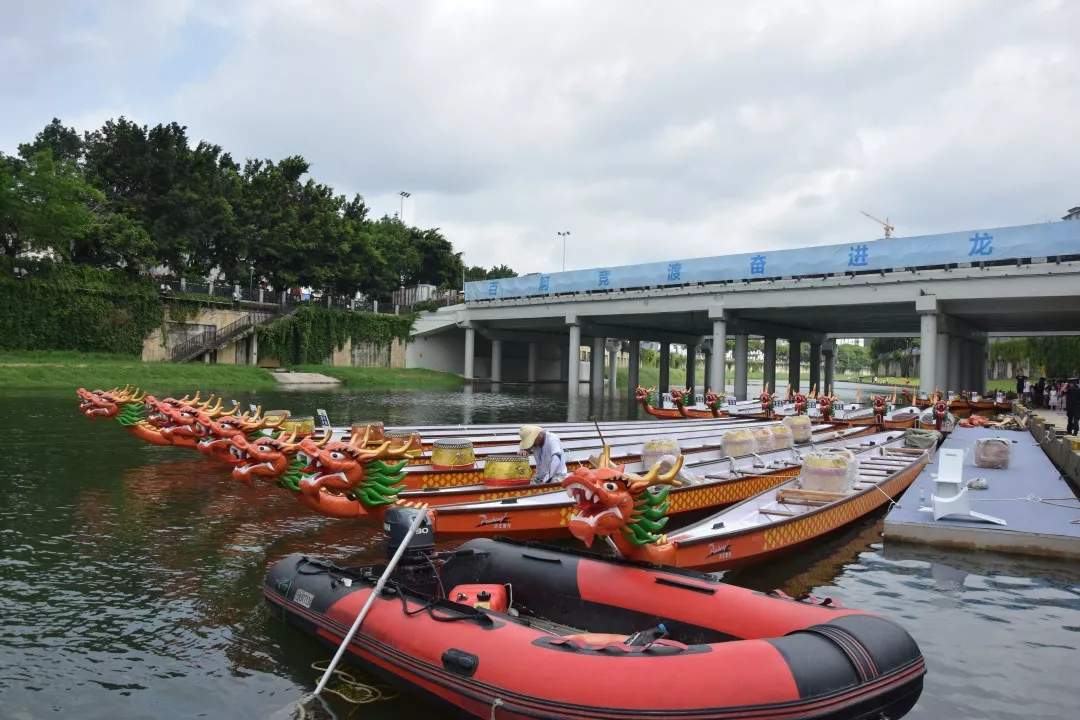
(493, 288)
(545, 283)
(674, 271)
(603, 279)
(858, 255)
(757, 265)
(981, 244)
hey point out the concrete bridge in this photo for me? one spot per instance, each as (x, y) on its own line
(953, 291)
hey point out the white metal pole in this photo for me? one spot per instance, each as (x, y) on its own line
(371, 600)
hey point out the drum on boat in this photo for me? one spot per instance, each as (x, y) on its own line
(502, 471)
(452, 454)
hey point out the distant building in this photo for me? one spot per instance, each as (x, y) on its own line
(1073, 214)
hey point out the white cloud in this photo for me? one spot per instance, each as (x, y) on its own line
(649, 131)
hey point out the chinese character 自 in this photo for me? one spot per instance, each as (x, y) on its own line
(674, 271)
(603, 279)
(858, 255)
(545, 282)
(981, 244)
(757, 265)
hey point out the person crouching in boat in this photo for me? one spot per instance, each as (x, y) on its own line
(548, 451)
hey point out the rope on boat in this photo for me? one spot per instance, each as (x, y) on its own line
(350, 689)
(496, 703)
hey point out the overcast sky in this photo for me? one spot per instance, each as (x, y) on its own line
(649, 130)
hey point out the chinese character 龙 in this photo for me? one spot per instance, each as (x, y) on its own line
(603, 279)
(981, 244)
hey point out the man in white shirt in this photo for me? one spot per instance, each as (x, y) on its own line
(548, 451)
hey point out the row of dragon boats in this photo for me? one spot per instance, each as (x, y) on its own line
(490, 628)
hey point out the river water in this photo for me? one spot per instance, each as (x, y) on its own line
(131, 575)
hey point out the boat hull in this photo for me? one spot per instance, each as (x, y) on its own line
(760, 543)
(733, 653)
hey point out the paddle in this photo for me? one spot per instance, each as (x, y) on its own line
(363, 611)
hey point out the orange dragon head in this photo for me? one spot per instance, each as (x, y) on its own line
(215, 431)
(358, 472)
(279, 458)
(712, 399)
(107, 403)
(608, 500)
(181, 427)
(643, 394)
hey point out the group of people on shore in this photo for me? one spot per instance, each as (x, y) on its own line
(1056, 394)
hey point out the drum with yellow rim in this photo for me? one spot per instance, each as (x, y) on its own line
(377, 434)
(301, 424)
(452, 454)
(506, 470)
(656, 448)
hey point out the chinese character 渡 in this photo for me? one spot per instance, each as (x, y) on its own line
(545, 281)
(493, 289)
(858, 255)
(603, 279)
(981, 244)
(757, 265)
(674, 271)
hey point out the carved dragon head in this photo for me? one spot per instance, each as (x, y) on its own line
(279, 458)
(679, 396)
(643, 394)
(216, 431)
(800, 403)
(766, 400)
(712, 400)
(107, 403)
(181, 426)
(825, 403)
(358, 472)
(609, 500)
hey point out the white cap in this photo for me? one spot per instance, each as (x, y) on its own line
(529, 433)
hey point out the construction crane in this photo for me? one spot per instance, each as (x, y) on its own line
(884, 223)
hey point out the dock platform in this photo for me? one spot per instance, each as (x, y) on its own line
(1041, 511)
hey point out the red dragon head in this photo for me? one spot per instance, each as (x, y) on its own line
(182, 428)
(643, 394)
(278, 458)
(825, 405)
(678, 396)
(106, 403)
(766, 399)
(712, 400)
(609, 501)
(800, 403)
(215, 432)
(880, 406)
(342, 468)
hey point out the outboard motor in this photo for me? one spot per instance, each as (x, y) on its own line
(396, 526)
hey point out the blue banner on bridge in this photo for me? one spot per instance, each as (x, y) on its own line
(994, 244)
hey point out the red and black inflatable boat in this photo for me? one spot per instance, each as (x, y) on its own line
(530, 631)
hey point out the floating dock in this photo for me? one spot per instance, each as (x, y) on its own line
(1041, 512)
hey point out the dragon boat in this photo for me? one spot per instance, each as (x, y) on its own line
(712, 482)
(681, 410)
(608, 504)
(353, 480)
(494, 628)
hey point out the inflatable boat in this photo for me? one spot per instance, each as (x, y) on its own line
(512, 630)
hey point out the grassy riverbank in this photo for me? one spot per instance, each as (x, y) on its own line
(60, 370)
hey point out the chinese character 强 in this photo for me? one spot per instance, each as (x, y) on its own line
(545, 281)
(858, 255)
(757, 265)
(674, 271)
(603, 279)
(493, 289)
(981, 244)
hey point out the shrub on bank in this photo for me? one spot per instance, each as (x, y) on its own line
(312, 334)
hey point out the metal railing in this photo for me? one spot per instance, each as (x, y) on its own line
(215, 338)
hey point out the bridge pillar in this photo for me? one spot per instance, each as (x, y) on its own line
(708, 382)
(470, 350)
(253, 349)
(496, 361)
(769, 368)
(596, 370)
(532, 362)
(829, 351)
(665, 371)
(926, 306)
(573, 357)
(980, 367)
(691, 367)
(719, 354)
(815, 368)
(564, 360)
(941, 366)
(633, 376)
(794, 353)
(955, 365)
(741, 348)
(613, 368)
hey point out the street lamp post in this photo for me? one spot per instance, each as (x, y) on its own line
(401, 214)
(563, 234)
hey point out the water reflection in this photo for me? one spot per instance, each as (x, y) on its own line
(132, 576)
